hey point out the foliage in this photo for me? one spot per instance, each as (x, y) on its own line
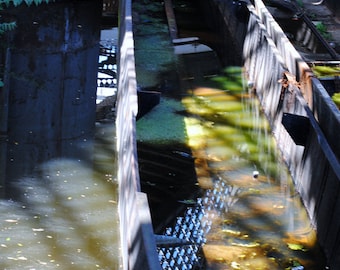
(300, 3)
(19, 2)
(336, 99)
(231, 79)
(323, 30)
(9, 26)
(323, 71)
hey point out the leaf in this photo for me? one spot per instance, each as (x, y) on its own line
(190, 201)
(28, 2)
(17, 2)
(7, 26)
(293, 246)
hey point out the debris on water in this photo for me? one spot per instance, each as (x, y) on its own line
(183, 154)
(247, 245)
(235, 265)
(293, 246)
(190, 202)
(300, 267)
(150, 183)
(231, 232)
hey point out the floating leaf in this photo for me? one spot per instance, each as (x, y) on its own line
(248, 245)
(38, 229)
(231, 232)
(11, 220)
(293, 246)
(187, 201)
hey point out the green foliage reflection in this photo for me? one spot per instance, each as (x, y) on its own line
(336, 99)
(10, 26)
(231, 79)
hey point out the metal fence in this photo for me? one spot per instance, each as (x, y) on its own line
(138, 247)
(314, 163)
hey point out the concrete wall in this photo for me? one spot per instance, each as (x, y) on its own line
(314, 164)
(53, 65)
(228, 19)
(51, 80)
(138, 245)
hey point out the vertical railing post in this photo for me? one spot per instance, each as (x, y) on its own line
(4, 95)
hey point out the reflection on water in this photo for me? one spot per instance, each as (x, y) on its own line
(66, 215)
(249, 216)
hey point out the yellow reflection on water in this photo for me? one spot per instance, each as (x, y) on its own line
(265, 225)
(67, 217)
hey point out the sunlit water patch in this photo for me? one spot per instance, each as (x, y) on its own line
(66, 216)
(250, 216)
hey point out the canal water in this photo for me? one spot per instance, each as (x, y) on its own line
(213, 174)
(242, 212)
(64, 214)
(61, 213)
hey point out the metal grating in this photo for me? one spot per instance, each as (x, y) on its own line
(107, 66)
(194, 227)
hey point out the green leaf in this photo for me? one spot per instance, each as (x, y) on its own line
(293, 246)
(7, 26)
(28, 2)
(17, 2)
